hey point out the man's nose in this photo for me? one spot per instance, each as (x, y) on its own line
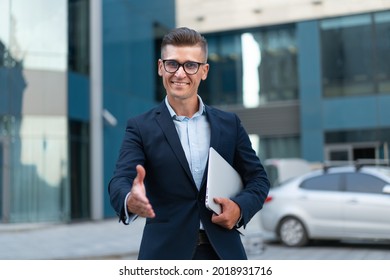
(180, 72)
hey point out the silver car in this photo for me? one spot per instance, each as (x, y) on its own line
(351, 202)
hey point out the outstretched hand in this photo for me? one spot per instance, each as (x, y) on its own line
(230, 214)
(137, 202)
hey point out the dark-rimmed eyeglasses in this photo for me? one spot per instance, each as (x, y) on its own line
(190, 67)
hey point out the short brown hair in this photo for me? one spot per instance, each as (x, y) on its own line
(184, 36)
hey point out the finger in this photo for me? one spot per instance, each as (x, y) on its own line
(140, 205)
(138, 188)
(149, 213)
(221, 201)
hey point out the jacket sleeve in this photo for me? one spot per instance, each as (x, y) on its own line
(130, 154)
(256, 183)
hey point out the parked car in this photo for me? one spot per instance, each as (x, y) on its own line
(350, 202)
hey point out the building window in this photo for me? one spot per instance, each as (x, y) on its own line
(382, 51)
(159, 31)
(280, 147)
(79, 170)
(78, 30)
(252, 67)
(355, 54)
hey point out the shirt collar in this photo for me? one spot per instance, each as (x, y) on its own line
(201, 111)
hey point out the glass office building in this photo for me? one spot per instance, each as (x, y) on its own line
(45, 99)
(315, 89)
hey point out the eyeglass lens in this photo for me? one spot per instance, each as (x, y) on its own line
(190, 67)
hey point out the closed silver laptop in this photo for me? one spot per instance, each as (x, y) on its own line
(222, 180)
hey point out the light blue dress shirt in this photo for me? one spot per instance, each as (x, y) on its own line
(194, 134)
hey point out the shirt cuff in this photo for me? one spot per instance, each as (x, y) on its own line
(238, 221)
(129, 217)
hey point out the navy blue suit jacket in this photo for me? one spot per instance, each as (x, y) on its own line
(151, 140)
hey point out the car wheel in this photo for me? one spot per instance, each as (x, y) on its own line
(292, 232)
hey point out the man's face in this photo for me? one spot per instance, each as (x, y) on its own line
(180, 84)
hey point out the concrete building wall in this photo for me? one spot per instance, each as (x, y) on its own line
(217, 15)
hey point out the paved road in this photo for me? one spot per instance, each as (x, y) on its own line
(326, 251)
(110, 240)
(263, 247)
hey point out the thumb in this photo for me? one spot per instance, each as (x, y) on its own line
(218, 200)
(139, 179)
(221, 201)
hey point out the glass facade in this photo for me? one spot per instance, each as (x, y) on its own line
(356, 63)
(355, 55)
(280, 147)
(382, 53)
(252, 67)
(33, 111)
(78, 30)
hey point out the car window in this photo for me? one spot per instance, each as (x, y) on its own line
(364, 183)
(325, 182)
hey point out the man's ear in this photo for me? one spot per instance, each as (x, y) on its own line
(205, 70)
(160, 67)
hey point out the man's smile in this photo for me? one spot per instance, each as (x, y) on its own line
(180, 83)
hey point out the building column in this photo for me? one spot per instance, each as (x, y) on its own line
(96, 105)
(309, 67)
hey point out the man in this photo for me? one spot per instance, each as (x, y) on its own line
(160, 173)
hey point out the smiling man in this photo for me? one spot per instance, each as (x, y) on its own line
(161, 172)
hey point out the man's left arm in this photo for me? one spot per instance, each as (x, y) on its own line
(256, 184)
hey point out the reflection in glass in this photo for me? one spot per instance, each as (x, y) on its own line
(38, 33)
(382, 43)
(223, 84)
(33, 111)
(280, 147)
(4, 22)
(38, 170)
(251, 58)
(251, 68)
(35, 178)
(42, 145)
(355, 54)
(278, 69)
(347, 63)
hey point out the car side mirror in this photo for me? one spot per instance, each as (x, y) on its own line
(386, 189)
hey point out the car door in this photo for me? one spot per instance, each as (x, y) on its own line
(320, 197)
(365, 206)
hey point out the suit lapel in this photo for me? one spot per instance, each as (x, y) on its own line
(165, 121)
